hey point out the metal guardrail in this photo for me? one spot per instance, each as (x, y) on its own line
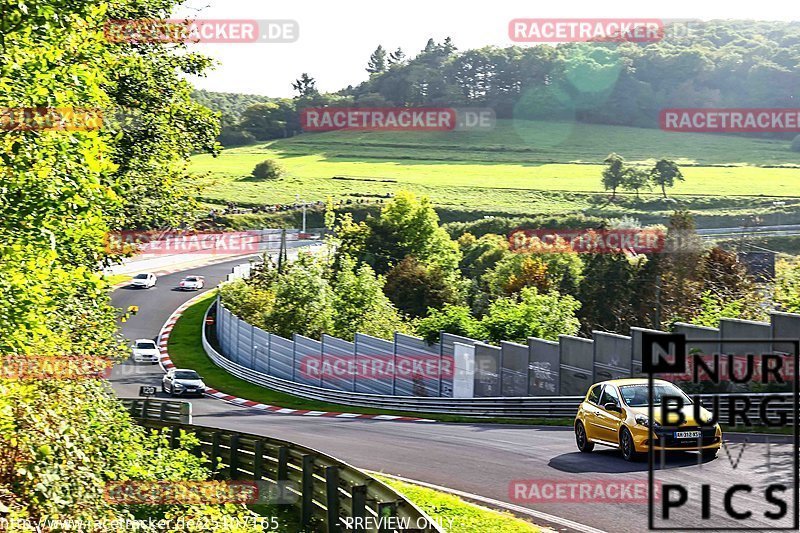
(493, 407)
(327, 491)
(166, 411)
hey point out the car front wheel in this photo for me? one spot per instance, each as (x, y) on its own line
(584, 445)
(626, 445)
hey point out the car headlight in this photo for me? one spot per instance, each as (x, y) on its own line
(178, 386)
(644, 420)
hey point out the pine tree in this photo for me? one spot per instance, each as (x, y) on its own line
(377, 61)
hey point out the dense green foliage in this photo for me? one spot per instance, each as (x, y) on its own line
(309, 297)
(61, 440)
(267, 170)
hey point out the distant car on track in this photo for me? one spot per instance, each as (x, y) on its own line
(145, 280)
(615, 413)
(192, 283)
(182, 382)
(145, 351)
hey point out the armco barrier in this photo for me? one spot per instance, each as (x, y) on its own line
(495, 407)
(327, 491)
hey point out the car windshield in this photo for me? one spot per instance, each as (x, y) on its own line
(146, 345)
(636, 395)
(191, 278)
(187, 374)
(140, 276)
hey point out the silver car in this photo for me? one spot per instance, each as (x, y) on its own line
(182, 382)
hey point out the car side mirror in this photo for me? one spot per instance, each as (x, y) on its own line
(612, 406)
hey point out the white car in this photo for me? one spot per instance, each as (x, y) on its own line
(144, 280)
(192, 283)
(145, 351)
(182, 381)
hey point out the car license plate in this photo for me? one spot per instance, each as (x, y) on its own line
(687, 434)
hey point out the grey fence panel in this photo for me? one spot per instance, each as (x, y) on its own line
(515, 369)
(409, 352)
(281, 357)
(336, 351)
(696, 333)
(223, 316)
(612, 356)
(447, 347)
(307, 360)
(577, 364)
(544, 367)
(745, 329)
(488, 365)
(244, 342)
(374, 354)
(261, 360)
(636, 347)
(785, 326)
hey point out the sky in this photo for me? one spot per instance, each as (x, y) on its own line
(337, 38)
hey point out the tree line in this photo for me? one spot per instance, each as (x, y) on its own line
(716, 64)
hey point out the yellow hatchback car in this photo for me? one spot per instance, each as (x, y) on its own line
(615, 413)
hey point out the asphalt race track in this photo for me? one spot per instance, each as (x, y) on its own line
(481, 459)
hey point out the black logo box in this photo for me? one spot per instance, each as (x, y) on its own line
(664, 340)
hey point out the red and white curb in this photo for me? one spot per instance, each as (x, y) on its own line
(166, 364)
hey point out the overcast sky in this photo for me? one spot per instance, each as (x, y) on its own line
(336, 38)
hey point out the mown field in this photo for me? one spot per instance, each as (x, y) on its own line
(521, 167)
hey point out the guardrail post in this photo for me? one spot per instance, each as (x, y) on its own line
(214, 450)
(386, 509)
(355, 360)
(283, 463)
(441, 359)
(258, 460)
(307, 509)
(162, 411)
(253, 347)
(186, 413)
(233, 463)
(358, 494)
(173, 437)
(145, 404)
(332, 497)
(394, 366)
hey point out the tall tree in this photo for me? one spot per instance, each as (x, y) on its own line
(398, 56)
(613, 174)
(664, 174)
(305, 86)
(634, 179)
(377, 61)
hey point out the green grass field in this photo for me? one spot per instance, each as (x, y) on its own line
(519, 168)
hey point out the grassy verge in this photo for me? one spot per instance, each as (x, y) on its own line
(114, 279)
(454, 514)
(186, 351)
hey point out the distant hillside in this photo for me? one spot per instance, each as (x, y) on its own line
(231, 105)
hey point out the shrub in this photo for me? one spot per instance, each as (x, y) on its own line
(268, 170)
